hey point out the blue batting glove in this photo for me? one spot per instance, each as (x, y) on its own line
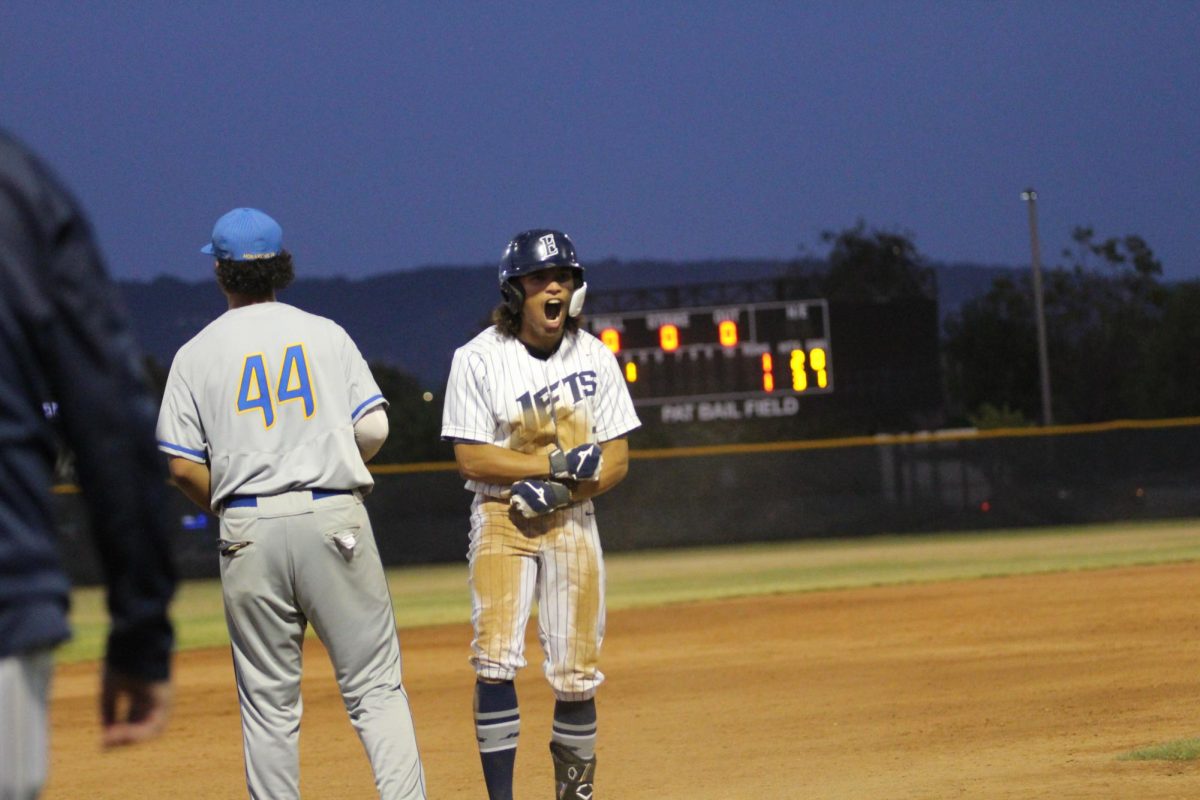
(533, 497)
(584, 462)
(578, 464)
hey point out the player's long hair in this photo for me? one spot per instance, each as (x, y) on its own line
(509, 322)
(257, 278)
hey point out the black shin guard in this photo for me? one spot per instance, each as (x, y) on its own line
(572, 775)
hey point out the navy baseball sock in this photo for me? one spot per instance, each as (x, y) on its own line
(497, 726)
(575, 727)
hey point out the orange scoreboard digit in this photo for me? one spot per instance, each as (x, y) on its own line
(733, 351)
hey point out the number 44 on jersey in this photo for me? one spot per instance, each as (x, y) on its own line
(294, 383)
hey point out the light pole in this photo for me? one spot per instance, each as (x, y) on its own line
(1039, 309)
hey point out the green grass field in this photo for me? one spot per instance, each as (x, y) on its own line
(432, 595)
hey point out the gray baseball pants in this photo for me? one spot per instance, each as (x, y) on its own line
(24, 737)
(287, 561)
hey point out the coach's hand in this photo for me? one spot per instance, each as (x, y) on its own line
(132, 709)
(581, 463)
(534, 498)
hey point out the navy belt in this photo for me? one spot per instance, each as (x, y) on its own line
(251, 501)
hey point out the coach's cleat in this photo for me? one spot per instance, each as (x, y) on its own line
(572, 775)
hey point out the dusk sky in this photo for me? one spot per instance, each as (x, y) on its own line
(388, 136)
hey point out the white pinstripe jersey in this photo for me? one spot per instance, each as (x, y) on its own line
(268, 395)
(498, 393)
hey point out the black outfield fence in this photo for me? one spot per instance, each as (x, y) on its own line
(730, 494)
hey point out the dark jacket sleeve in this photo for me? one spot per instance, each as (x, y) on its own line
(107, 410)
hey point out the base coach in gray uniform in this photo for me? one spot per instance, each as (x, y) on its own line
(66, 352)
(269, 416)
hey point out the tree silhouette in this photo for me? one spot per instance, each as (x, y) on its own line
(1105, 310)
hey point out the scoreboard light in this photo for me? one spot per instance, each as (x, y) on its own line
(736, 351)
(799, 376)
(668, 338)
(768, 366)
(727, 333)
(816, 360)
(611, 338)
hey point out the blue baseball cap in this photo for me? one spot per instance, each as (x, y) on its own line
(245, 234)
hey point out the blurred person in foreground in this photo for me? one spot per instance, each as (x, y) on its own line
(66, 352)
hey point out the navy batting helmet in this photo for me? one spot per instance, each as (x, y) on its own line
(530, 251)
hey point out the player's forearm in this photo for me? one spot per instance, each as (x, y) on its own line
(193, 479)
(589, 489)
(489, 463)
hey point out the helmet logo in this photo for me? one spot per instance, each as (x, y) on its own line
(549, 247)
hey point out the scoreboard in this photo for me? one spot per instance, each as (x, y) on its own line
(727, 352)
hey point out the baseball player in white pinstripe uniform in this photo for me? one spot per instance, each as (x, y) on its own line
(538, 411)
(269, 416)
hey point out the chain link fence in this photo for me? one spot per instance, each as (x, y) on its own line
(733, 494)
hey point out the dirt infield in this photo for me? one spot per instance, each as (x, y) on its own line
(1023, 687)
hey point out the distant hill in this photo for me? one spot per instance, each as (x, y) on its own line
(414, 320)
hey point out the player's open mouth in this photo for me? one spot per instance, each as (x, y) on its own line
(553, 309)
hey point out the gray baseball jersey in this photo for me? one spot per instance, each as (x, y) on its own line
(268, 396)
(234, 406)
